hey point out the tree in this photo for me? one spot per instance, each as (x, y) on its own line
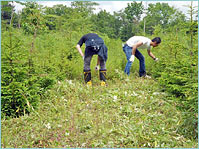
(32, 23)
(6, 10)
(58, 10)
(56, 16)
(130, 18)
(192, 24)
(105, 23)
(163, 14)
(134, 11)
(32, 18)
(84, 7)
(7, 13)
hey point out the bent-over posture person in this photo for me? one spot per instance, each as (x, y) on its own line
(131, 50)
(94, 45)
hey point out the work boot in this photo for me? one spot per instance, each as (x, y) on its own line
(87, 77)
(102, 74)
(89, 83)
(103, 83)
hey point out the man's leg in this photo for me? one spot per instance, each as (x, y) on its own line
(128, 51)
(102, 71)
(87, 70)
(140, 57)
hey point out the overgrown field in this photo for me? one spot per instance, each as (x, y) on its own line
(129, 112)
(45, 103)
(125, 114)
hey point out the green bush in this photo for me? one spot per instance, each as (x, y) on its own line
(177, 73)
(20, 82)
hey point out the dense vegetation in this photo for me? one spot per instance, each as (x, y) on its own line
(39, 58)
(122, 116)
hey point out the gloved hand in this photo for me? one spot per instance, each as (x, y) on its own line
(156, 59)
(83, 58)
(132, 58)
(97, 67)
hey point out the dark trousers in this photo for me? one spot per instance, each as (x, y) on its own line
(87, 62)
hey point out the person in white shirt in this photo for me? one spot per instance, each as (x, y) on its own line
(131, 51)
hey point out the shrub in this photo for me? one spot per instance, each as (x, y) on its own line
(177, 73)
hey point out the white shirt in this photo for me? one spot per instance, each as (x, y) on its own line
(135, 39)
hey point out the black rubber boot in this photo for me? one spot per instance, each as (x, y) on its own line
(102, 74)
(87, 77)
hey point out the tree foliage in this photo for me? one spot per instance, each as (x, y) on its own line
(134, 11)
(162, 14)
(86, 8)
(32, 18)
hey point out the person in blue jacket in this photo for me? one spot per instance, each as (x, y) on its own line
(94, 46)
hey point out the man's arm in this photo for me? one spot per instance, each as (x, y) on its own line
(151, 54)
(136, 46)
(80, 50)
(134, 49)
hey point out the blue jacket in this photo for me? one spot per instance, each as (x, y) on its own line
(96, 46)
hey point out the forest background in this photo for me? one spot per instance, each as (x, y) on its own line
(38, 52)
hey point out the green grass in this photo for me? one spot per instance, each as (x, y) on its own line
(130, 112)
